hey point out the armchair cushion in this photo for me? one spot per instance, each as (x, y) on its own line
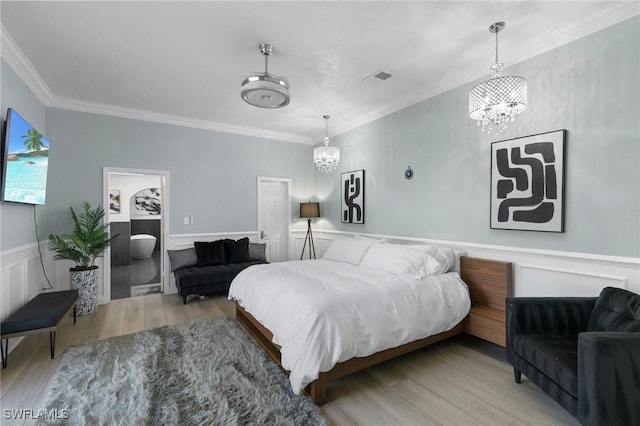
(552, 316)
(556, 356)
(616, 310)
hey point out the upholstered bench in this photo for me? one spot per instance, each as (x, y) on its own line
(209, 267)
(42, 313)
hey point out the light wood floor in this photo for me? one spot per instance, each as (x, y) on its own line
(450, 383)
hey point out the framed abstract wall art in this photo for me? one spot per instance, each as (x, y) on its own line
(147, 202)
(352, 210)
(114, 201)
(527, 183)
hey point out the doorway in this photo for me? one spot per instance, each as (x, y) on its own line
(274, 217)
(136, 205)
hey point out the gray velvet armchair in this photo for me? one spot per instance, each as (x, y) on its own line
(583, 352)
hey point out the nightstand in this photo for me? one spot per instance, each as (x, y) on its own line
(487, 317)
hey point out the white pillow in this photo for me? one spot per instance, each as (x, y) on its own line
(347, 250)
(443, 258)
(398, 259)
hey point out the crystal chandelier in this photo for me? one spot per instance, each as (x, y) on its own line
(496, 101)
(326, 157)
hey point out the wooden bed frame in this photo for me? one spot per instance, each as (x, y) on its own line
(495, 272)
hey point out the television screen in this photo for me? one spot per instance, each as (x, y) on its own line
(26, 160)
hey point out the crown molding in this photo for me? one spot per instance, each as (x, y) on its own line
(16, 59)
(569, 33)
(156, 117)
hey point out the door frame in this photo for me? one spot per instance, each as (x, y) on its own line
(164, 221)
(287, 208)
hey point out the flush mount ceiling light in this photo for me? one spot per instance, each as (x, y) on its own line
(498, 100)
(326, 157)
(265, 90)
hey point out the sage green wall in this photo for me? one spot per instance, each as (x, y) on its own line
(213, 175)
(589, 87)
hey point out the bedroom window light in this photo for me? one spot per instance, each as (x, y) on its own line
(326, 157)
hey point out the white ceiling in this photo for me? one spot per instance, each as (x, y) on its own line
(182, 62)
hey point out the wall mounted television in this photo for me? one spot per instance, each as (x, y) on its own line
(25, 162)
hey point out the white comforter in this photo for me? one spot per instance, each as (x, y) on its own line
(323, 312)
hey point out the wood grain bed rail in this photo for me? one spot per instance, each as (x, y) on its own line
(480, 271)
(489, 284)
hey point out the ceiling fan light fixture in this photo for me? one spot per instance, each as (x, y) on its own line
(265, 90)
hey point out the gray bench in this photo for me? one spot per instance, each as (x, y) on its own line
(42, 313)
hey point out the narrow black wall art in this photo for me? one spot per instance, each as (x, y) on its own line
(527, 183)
(353, 197)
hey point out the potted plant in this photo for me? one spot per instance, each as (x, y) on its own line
(87, 242)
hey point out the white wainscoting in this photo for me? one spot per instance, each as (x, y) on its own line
(184, 241)
(21, 278)
(535, 272)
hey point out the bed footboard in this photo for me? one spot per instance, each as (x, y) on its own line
(317, 390)
(484, 277)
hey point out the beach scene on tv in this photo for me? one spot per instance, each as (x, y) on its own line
(27, 159)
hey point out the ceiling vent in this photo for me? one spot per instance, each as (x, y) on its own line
(378, 77)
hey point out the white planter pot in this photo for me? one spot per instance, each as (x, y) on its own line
(86, 282)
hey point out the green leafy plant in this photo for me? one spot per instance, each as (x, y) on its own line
(88, 240)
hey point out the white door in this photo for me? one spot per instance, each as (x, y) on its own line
(274, 213)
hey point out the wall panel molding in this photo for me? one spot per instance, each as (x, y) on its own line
(21, 278)
(539, 280)
(536, 272)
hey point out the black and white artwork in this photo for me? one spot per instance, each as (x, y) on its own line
(147, 201)
(114, 201)
(527, 183)
(353, 197)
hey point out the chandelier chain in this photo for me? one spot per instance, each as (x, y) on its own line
(326, 130)
(497, 46)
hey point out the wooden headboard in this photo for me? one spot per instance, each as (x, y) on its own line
(490, 283)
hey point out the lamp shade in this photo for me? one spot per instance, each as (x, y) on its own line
(309, 209)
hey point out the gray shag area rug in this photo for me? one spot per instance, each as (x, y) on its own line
(201, 373)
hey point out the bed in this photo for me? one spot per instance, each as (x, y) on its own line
(365, 302)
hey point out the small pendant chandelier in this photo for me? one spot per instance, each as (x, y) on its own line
(496, 101)
(326, 157)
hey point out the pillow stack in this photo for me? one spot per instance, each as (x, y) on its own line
(219, 252)
(416, 261)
